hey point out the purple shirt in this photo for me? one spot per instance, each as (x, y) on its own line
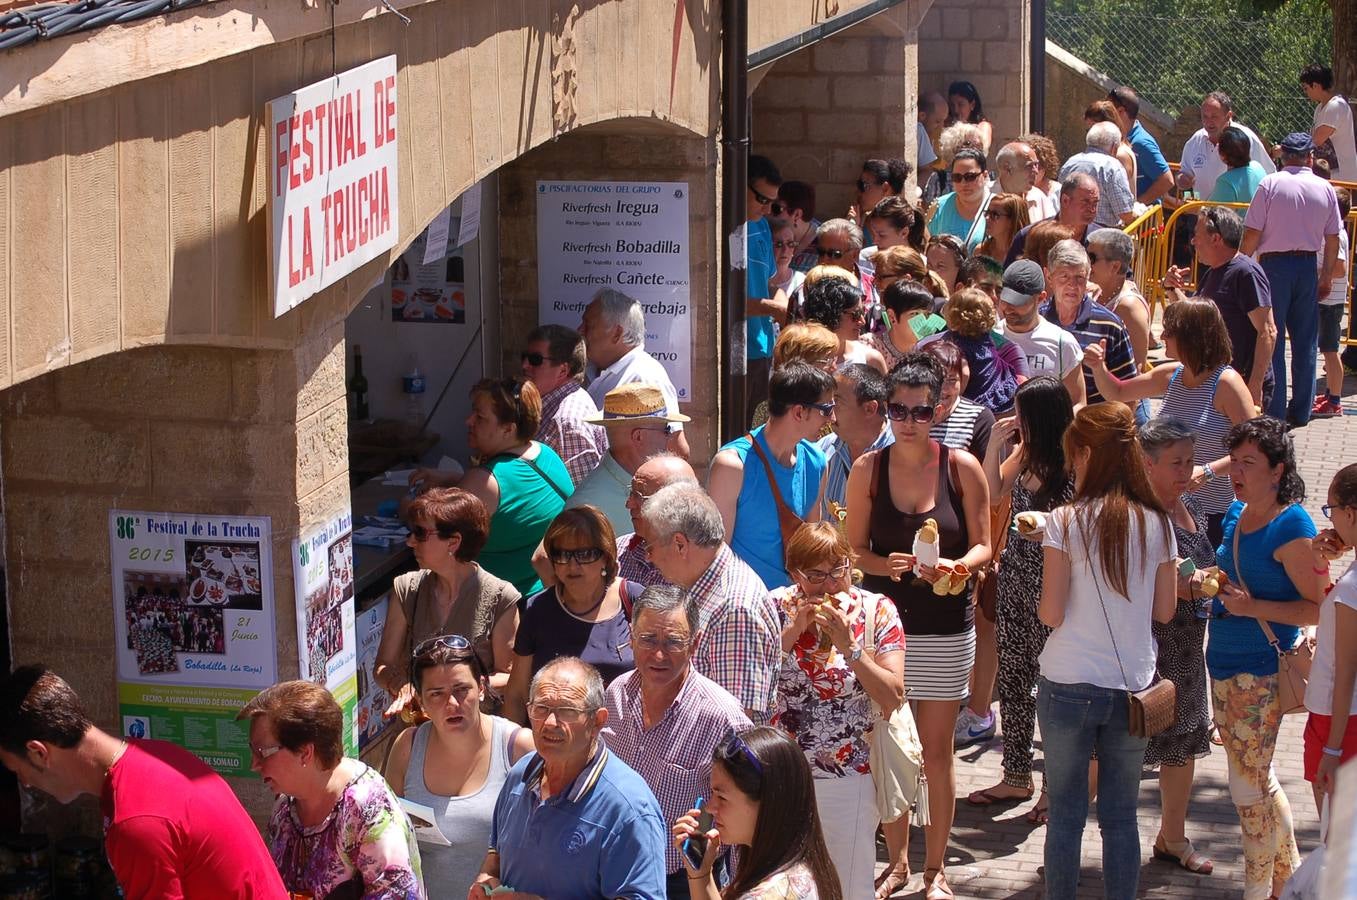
(674, 757)
(1294, 209)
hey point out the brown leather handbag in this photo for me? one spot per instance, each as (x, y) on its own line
(787, 520)
(1153, 709)
(1293, 665)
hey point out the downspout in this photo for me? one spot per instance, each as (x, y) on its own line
(1037, 65)
(734, 163)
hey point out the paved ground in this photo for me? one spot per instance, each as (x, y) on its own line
(1000, 855)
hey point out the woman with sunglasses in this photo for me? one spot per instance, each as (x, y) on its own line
(586, 614)
(763, 800)
(961, 213)
(880, 180)
(454, 763)
(337, 830)
(944, 254)
(833, 673)
(892, 492)
(1006, 216)
(449, 593)
(837, 304)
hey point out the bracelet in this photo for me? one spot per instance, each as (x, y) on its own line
(1333, 751)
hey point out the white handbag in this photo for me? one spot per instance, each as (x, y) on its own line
(896, 757)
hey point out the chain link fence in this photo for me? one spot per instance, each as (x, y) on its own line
(1173, 60)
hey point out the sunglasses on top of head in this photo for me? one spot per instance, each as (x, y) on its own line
(901, 412)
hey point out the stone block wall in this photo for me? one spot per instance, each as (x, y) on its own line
(603, 153)
(984, 42)
(167, 428)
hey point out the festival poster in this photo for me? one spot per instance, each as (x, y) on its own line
(628, 236)
(322, 569)
(372, 697)
(429, 291)
(194, 625)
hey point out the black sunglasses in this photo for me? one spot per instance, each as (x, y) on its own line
(536, 359)
(763, 201)
(968, 177)
(864, 185)
(832, 254)
(422, 534)
(900, 412)
(778, 208)
(733, 748)
(584, 556)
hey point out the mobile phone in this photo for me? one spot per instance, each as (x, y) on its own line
(695, 845)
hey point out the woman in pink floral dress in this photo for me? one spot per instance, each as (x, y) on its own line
(845, 652)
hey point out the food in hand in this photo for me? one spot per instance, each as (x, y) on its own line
(1030, 522)
(1213, 581)
(961, 574)
(943, 585)
(926, 549)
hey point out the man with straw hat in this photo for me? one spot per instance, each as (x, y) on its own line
(639, 426)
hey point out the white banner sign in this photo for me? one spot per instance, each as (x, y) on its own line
(628, 236)
(333, 193)
(322, 569)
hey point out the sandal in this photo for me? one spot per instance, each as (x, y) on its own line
(1039, 814)
(890, 881)
(1185, 856)
(936, 886)
(988, 797)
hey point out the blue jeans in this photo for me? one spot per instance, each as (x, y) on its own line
(1294, 281)
(1074, 719)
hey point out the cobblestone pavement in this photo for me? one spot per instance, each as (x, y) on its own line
(998, 854)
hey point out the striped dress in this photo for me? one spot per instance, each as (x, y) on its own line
(1195, 408)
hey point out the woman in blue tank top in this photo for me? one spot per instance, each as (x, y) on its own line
(455, 762)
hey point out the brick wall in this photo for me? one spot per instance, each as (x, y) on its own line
(984, 42)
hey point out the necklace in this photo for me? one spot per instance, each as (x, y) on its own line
(560, 598)
(117, 755)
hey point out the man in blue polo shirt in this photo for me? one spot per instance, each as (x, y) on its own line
(1072, 309)
(1153, 178)
(573, 822)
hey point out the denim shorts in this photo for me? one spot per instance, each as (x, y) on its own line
(1330, 327)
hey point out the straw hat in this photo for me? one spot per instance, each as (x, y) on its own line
(635, 403)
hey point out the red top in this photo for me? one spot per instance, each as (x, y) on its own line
(173, 828)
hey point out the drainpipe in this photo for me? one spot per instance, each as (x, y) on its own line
(1037, 64)
(734, 163)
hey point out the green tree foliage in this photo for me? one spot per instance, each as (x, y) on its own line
(1173, 53)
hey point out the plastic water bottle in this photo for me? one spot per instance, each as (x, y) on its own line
(412, 385)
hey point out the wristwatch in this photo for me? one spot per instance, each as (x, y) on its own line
(855, 654)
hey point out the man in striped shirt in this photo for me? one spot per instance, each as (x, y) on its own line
(633, 562)
(664, 719)
(738, 640)
(860, 424)
(1073, 309)
(554, 361)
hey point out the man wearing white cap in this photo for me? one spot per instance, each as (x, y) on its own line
(639, 426)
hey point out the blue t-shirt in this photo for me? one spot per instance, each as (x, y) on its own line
(1150, 163)
(602, 837)
(758, 538)
(946, 220)
(1238, 185)
(759, 267)
(1236, 644)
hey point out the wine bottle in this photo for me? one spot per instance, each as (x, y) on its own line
(358, 387)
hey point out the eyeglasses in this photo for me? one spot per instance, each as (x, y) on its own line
(536, 359)
(263, 753)
(733, 748)
(857, 313)
(444, 641)
(864, 185)
(816, 576)
(639, 497)
(1328, 509)
(779, 208)
(650, 643)
(900, 412)
(762, 200)
(422, 534)
(967, 177)
(826, 409)
(996, 214)
(832, 254)
(784, 245)
(584, 556)
(565, 715)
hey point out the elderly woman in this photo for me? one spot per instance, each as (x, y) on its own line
(1168, 445)
(837, 304)
(845, 656)
(1274, 591)
(995, 372)
(1202, 391)
(585, 615)
(838, 244)
(1239, 182)
(1048, 161)
(448, 594)
(1110, 253)
(456, 762)
(1006, 215)
(337, 830)
(961, 213)
(1089, 322)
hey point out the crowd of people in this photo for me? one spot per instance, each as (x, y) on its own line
(955, 484)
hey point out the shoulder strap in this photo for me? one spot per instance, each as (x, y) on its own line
(1239, 572)
(538, 469)
(414, 610)
(785, 514)
(1107, 619)
(880, 460)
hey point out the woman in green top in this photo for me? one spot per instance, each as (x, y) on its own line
(523, 484)
(1238, 183)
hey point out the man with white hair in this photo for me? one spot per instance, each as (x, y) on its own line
(614, 329)
(1201, 162)
(1099, 160)
(1016, 166)
(738, 640)
(1074, 310)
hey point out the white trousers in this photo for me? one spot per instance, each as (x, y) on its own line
(848, 818)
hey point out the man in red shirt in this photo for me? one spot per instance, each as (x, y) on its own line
(172, 826)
